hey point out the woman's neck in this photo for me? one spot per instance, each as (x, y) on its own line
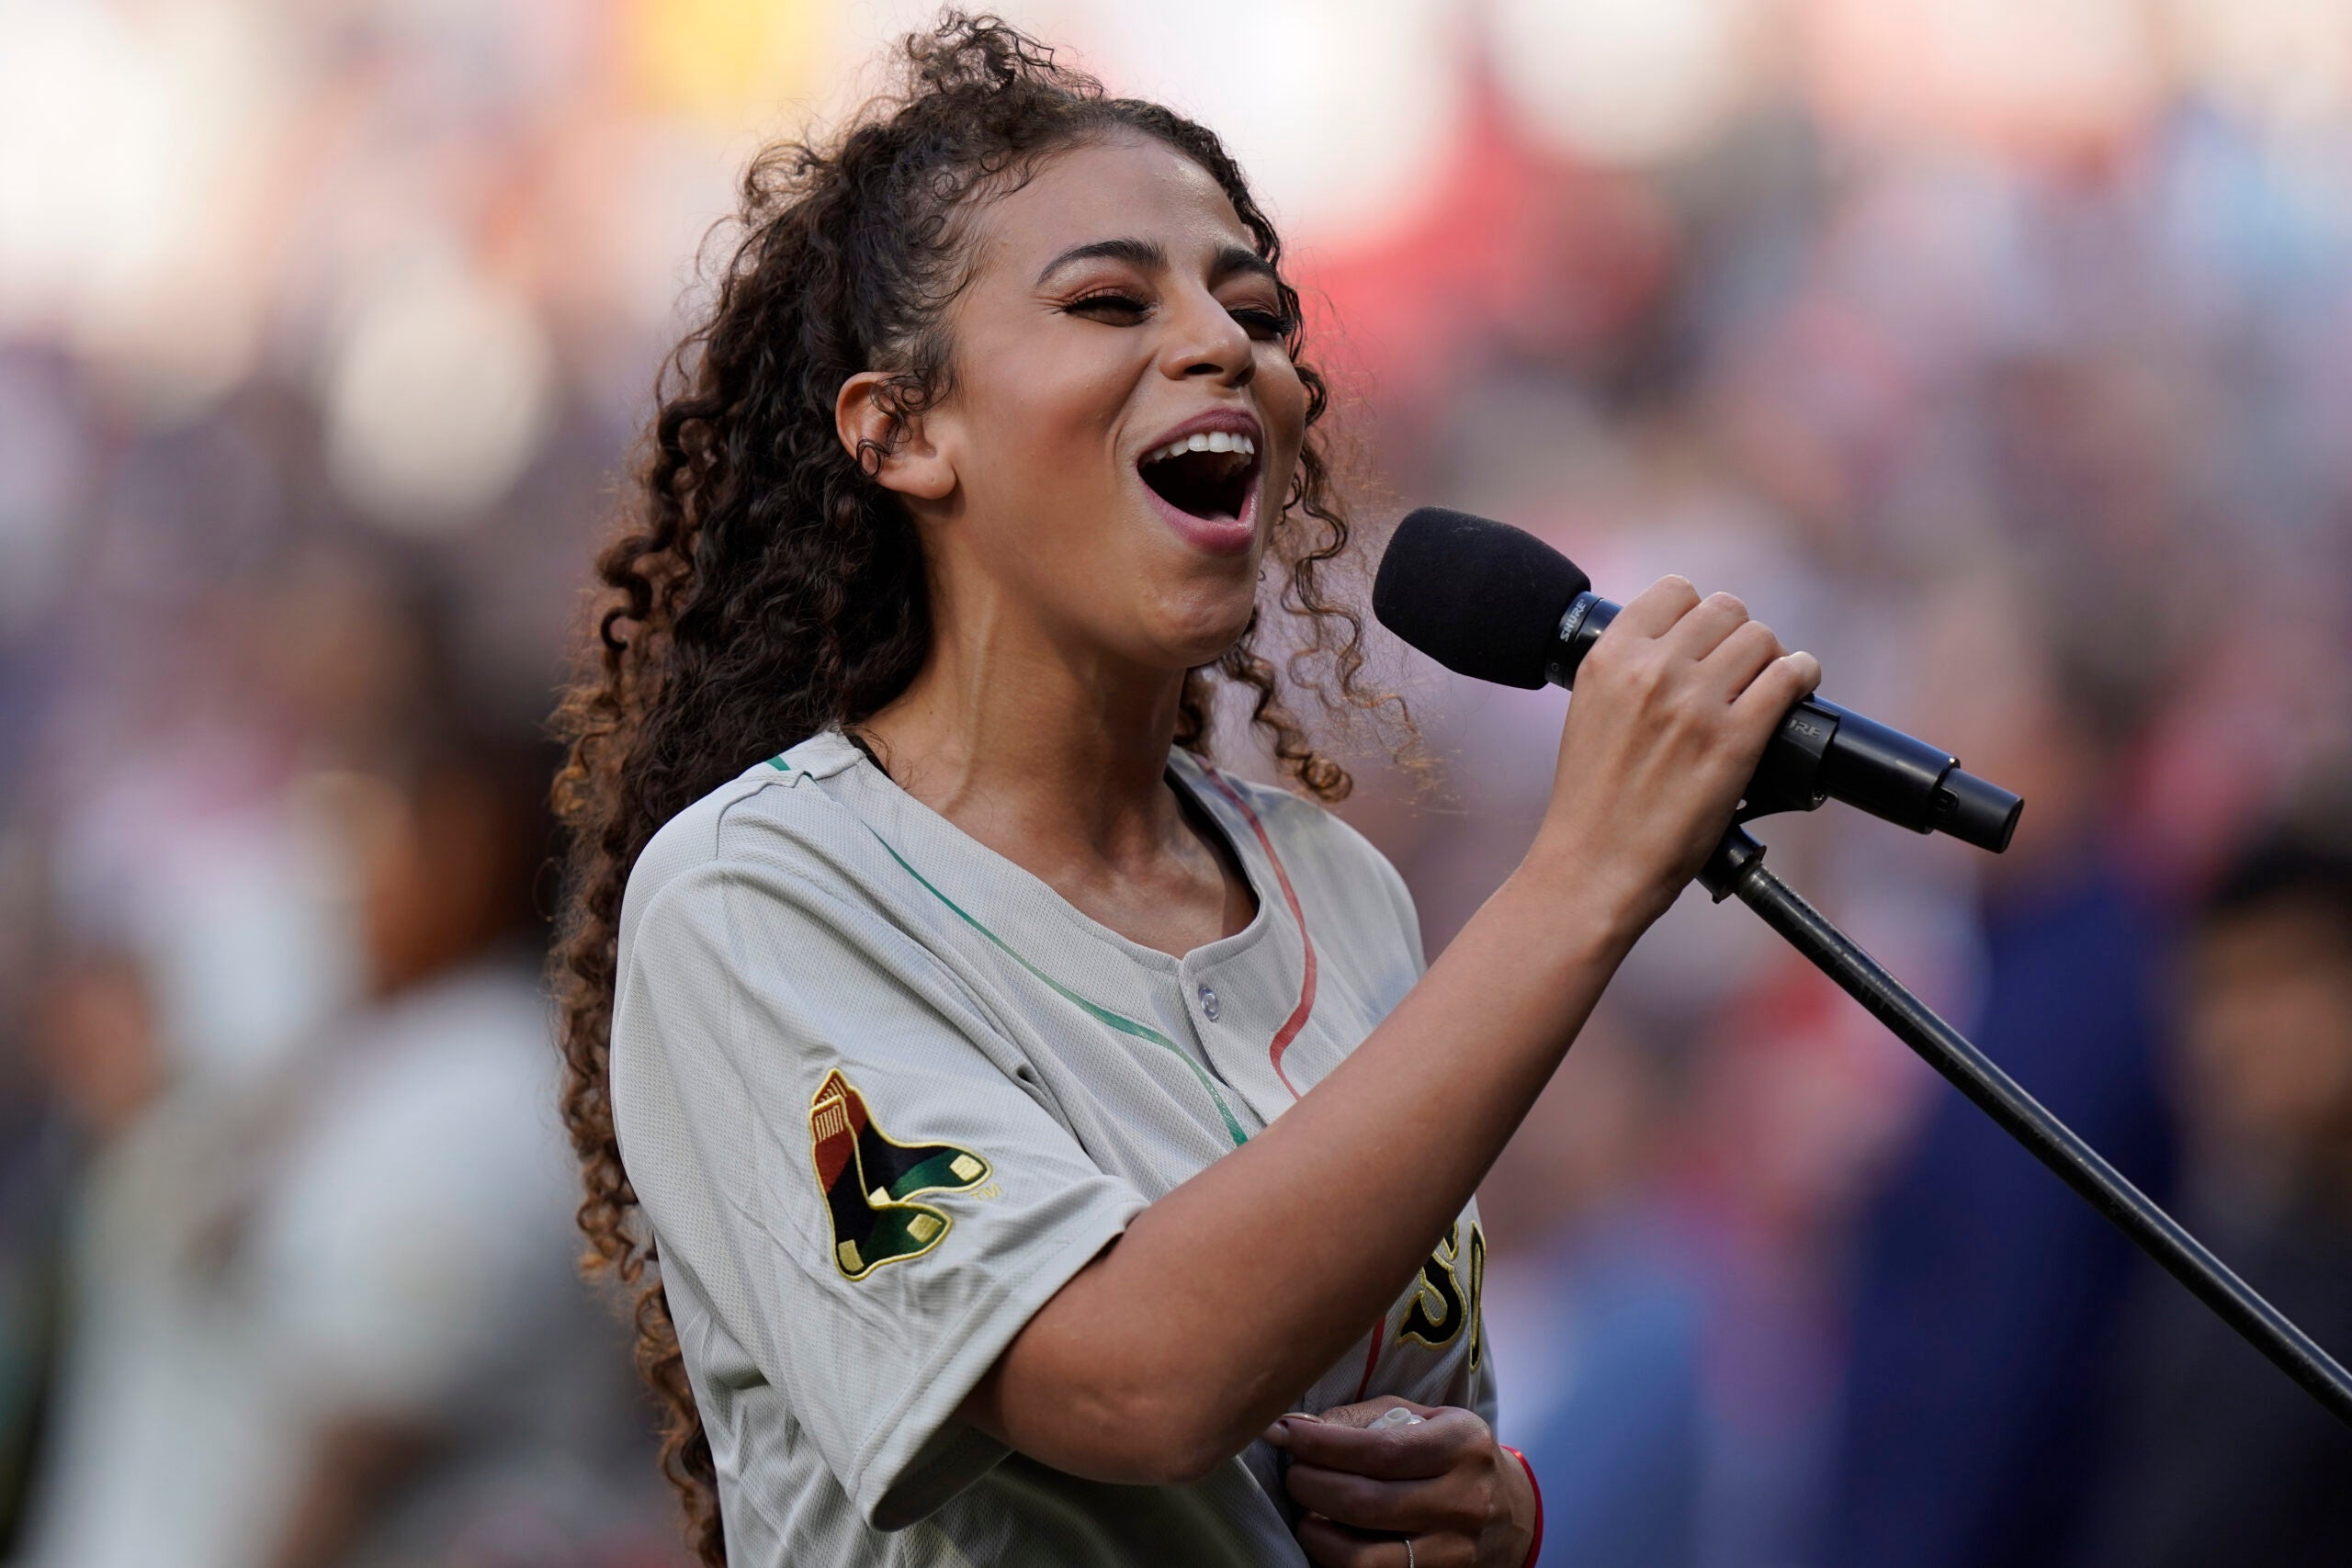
(1046, 747)
(1051, 756)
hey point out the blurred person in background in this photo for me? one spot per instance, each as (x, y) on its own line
(2217, 1458)
(1662, 1274)
(357, 1266)
(453, 1396)
(1597, 1293)
(1984, 1293)
(92, 1068)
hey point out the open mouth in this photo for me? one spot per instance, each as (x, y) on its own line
(1207, 475)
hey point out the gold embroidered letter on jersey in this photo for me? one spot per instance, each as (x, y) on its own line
(1442, 1306)
(1435, 1316)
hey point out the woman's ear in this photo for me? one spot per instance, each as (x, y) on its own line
(909, 461)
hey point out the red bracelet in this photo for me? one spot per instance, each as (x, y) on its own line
(1536, 1545)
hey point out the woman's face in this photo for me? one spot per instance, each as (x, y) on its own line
(1116, 307)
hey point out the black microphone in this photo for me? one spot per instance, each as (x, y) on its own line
(1490, 600)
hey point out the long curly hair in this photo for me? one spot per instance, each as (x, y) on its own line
(764, 586)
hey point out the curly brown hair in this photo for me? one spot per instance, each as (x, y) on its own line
(763, 587)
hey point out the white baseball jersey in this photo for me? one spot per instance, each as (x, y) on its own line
(881, 1092)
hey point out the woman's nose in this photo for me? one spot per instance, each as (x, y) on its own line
(1205, 339)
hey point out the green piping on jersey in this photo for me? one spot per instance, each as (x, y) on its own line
(1122, 1024)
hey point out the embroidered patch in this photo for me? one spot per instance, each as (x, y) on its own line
(868, 1177)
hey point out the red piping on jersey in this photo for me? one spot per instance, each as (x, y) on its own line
(1297, 1019)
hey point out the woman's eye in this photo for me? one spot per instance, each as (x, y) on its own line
(1109, 305)
(1262, 324)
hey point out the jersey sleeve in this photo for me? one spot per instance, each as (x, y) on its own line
(859, 1175)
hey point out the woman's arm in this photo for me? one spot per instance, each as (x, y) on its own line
(1179, 1343)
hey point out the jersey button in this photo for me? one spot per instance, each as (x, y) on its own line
(1208, 1002)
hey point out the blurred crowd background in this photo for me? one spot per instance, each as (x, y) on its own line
(1999, 351)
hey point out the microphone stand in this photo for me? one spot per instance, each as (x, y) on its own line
(1736, 870)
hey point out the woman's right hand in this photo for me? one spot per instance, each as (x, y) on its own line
(1673, 709)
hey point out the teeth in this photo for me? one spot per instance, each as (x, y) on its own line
(1205, 441)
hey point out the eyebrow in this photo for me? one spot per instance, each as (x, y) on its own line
(1149, 255)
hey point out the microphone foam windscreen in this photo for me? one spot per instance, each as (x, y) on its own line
(1482, 598)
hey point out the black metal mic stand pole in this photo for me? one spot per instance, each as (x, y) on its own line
(1737, 869)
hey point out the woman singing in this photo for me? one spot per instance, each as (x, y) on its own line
(1033, 1128)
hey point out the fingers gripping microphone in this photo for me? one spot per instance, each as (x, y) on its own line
(1488, 600)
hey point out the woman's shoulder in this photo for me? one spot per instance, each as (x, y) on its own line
(774, 822)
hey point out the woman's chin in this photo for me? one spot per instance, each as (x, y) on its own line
(1197, 625)
(1210, 651)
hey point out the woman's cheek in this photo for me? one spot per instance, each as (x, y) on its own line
(1281, 479)
(1288, 417)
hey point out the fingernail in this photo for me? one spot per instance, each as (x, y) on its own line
(1279, 1433)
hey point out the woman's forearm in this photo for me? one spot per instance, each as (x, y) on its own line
(1236, 1291)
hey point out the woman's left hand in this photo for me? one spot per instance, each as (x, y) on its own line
(1444, 1485)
